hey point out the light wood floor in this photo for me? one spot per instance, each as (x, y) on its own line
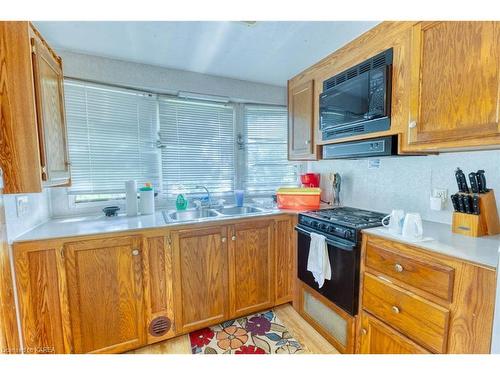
(310, 339)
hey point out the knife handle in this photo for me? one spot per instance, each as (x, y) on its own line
(481, 181)
(467, 204)
(475, 205)
(454, 202)
(461, 181)
(461, 204)
(473, 182)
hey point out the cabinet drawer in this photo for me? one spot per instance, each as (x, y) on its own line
(433, 278)
(419, 319)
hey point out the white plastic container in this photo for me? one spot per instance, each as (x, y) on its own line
(131, 197)
(147, 202)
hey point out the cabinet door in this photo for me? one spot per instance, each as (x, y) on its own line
(49, 95)
(285, 260)
(379, 338)
(200, 269)
(301, 122)
(251, 267)
(105, 289)
(41, 292)
(455, 84)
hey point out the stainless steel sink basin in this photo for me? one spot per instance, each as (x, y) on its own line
(204, 214)
(189, 215)
(244, 210)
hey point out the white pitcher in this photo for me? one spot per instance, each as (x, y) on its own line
(394, 221)
(412, 226)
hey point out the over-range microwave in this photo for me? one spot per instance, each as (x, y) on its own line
(358, 100)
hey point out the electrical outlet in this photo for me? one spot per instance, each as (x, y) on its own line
(440, 193)
(22, 205)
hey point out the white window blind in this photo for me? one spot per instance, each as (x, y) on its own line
(112, 135)
(197, 146)
(267, 166)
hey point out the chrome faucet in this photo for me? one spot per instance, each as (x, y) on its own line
(208, 194)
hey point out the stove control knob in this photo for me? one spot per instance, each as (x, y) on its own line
(322, 226)
(349, 234)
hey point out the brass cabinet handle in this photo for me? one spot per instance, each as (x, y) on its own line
(395, 309)
(398, 267)
(223, 239)
(364, 331)
(135, 252)
(233, 238)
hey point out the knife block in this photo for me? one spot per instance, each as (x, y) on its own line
(486, 223)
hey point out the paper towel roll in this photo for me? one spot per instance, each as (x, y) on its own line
(131, 197)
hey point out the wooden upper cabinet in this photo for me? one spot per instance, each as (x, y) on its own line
(33, 132)
(378, 338)
(251, 267)
(455, 95)
(301, 122)
(51, 120)
(200, 277)
(104, 282)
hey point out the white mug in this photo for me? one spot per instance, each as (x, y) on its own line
(412, 226)
(394, 221)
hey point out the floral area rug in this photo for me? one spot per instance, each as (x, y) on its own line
(261, 333)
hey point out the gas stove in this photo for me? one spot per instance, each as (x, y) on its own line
(343, 222)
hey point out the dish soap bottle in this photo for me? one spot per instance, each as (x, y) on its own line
(181, 202)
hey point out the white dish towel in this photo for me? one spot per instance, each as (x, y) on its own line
(318, 262)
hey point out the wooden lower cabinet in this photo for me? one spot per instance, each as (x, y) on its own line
(455, 316)
(251, 267)
(114, 293)
(378, 338)
(41, 291)
(201, 277)
(285, 269)
(158, 268)
(104, 282)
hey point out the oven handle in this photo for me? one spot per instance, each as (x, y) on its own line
(329, 239)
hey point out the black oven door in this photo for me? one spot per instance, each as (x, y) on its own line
(343, 288)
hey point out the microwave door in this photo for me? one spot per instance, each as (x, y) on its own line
(346, 103)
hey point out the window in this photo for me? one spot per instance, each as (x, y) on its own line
(112, 138)
(197, 146)
(117, 134)
(267, 166)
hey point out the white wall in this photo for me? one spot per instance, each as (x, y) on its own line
(406, 182)
(168, 81)
(38, 213)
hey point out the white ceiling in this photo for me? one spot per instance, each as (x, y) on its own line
(268, 52)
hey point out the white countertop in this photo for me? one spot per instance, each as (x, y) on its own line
(480, 250)
(100, 224)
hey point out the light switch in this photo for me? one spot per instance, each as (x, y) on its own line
(22, 205)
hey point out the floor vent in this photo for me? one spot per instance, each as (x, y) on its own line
(159, 326)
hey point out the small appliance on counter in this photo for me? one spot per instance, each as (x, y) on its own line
(298, 198)
(310, 180)
(475, 208)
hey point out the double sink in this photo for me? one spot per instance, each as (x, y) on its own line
(202, 214)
